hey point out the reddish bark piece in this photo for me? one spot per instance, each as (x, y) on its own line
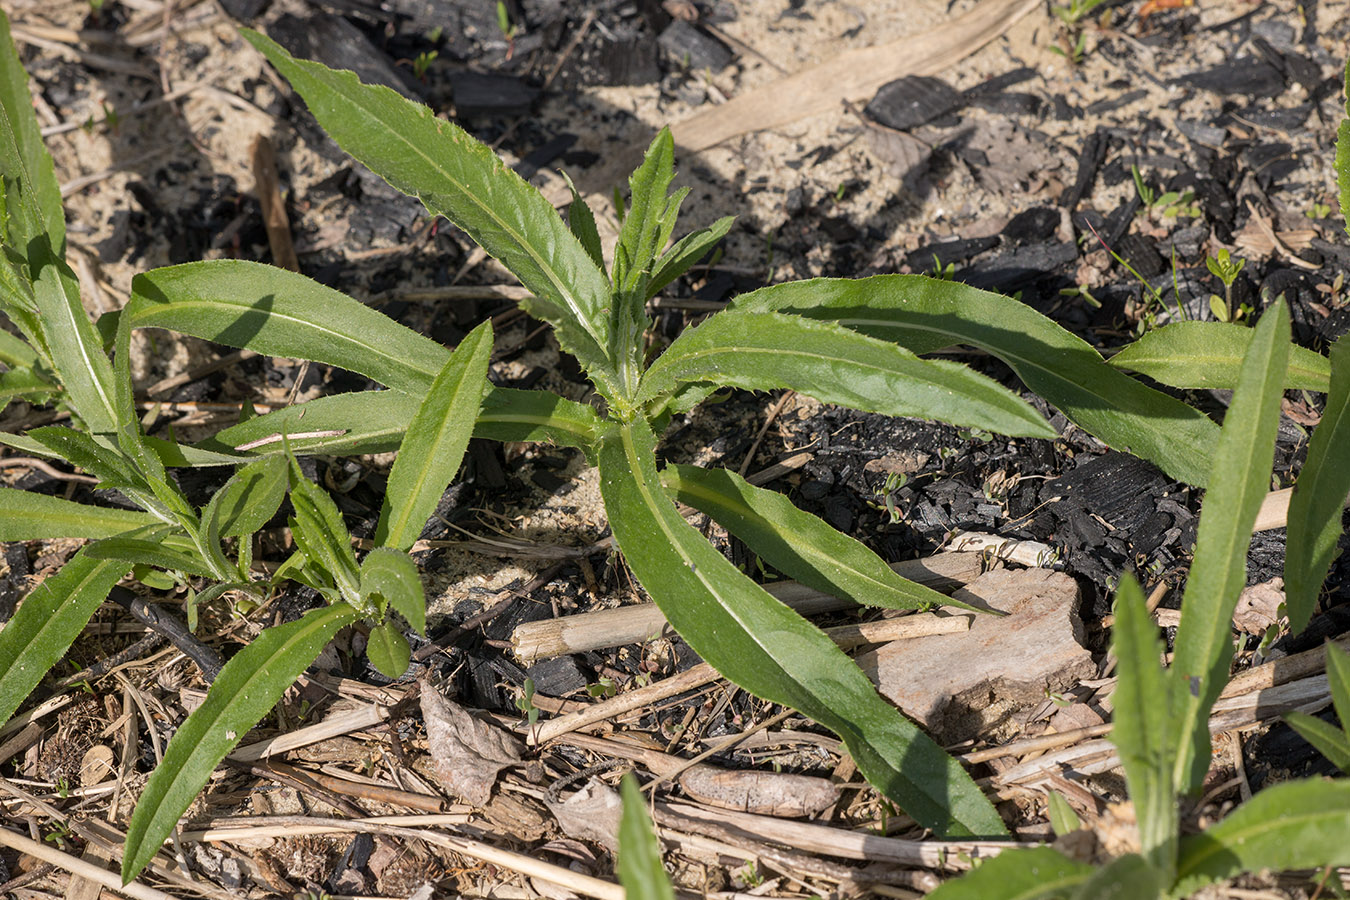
(466, 754)
(958, 685)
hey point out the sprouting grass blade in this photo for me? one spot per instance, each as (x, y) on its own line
(825, 360)
(1039, 873)
(48, 621)
(640, 870)
(925, 314)
(1207, 355)
(245, 690)
(25, 516)
(458, 177)
(1301, 824)
(771, 651)
(1238, 482)
(798, 543)
(1142, 724)
(1319, 497)
(434, 444)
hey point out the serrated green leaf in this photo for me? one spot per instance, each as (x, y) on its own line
(1143, 721)
(319, 530)
(433, 447)
(1207, 355)
(685, 252)
(1314, 519)
(768, 350)
(770, 650)
(925, 314)
(581, 220)
(457, 177)
(25, 516)
(282, 313)
(24, 382)
(245, 690)
(393, 575)
(1238, 482)
(95, 456)
(48, 621)
(23, 156)
(640, 869)
(388, 650)
(646, 207)
(1038, 873)
(1296, 825)
(1128, 877)
(798, 543)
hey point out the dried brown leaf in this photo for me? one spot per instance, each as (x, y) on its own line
(466, 754)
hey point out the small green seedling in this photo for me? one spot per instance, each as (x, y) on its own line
(1169, 204)
(1225, 268)
(422, 63)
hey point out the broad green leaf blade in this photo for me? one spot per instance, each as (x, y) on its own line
(767, 350)
(1209, 355)
(145, 548)
(374, 422)
(457, 177)
(282, 313)
(24, 382)
(1128, 877)
(25, 516)
(48, 621)
(245, 690)
(14, 351)
(1063, 819)
(771, 651)
(321, 532)
(434, 444)
(1301, 824)
(388, 650)
(393, 575)
(1142, 724)
(1237, 483)
(23, 156)
(248, 500)
(798, 543)
(1330, 741)
(1039, 873)
(925, 314)
(640, 869)
(1319, 497)
(95, 456)
(1343, 155)
(648, 186)
(687, 251)
(76, 349)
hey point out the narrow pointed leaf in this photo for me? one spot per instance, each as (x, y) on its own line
(798, 543)
(1319, 497)
(322, 532)
(95, 456)
(1327, 739)
(434, 444)
(1238, 482)
(245, 690)
(687, 251)
(1039, 873)
(388, 650)
(640, 869)
(766, 350)
(1207, 355)
(23, 156)
(1063, 819)
(646, 205)
(771, 651)
(581, 220)
(248, 500)
(1142, 724)
(458, 177)
(14, 351)
(24, 382)
(925, 314)
(281, 313)
(145, 547)
(48, 621)
(1301, 824)
(25, 516)
(1343, 155)
(393, 575)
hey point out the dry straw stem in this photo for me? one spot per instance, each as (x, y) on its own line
(79, 867)
(701, 674)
